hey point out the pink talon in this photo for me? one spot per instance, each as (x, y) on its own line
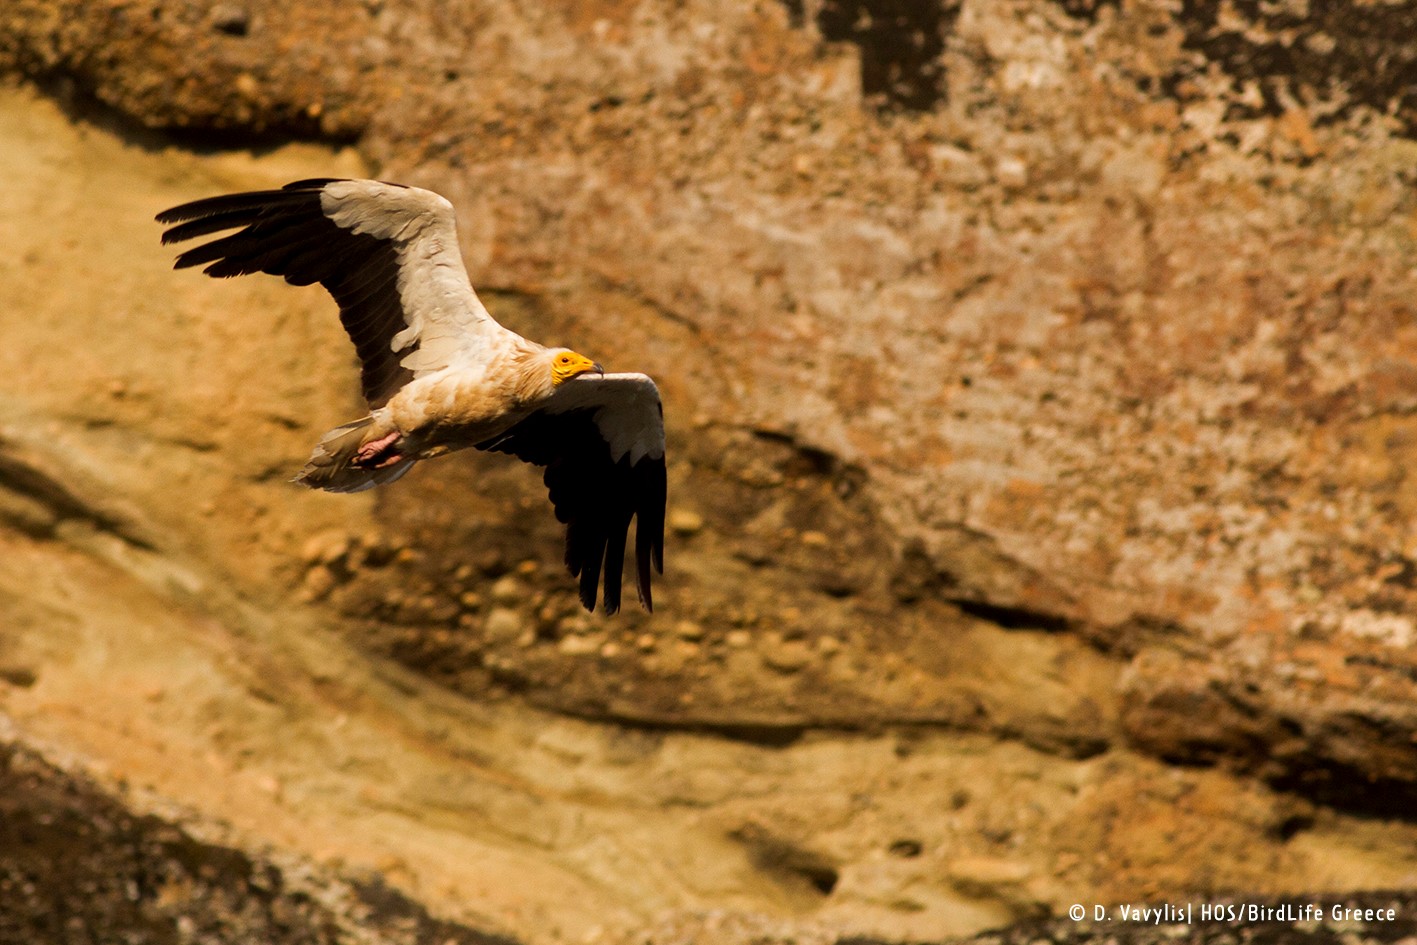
(376, 450)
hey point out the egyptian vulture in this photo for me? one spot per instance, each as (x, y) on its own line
(439, 373)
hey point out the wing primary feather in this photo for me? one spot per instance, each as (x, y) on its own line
(649, 525)
(252, 204)
(597, 499)
(204, 226)
(615, 533)
(248, 247)
(216, 249)
(300, 262)
(590, 543)
(229, 267)
(312, 183)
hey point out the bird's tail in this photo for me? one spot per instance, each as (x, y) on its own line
(331, 465)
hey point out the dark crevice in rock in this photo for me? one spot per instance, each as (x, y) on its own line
(78, 98)
(764, 734)
(1129, 637)
(808, 461)
(1013, 618)
(974, 575)
(767, 735)
(1376, 661)
(902, 43)
(40, 503)
(1293, 825)
(1235, 727)
(1349, 789)
(395, 909)
(1361, 51)
(78, 95)
(1085, 9)
(1338, 55)
(781, 857)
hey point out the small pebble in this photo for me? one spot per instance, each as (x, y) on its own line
(685, 521)
(1011, 172)
(577, 646)
(502, 624)
(319, 581)
(787, 657)
(506, 590)
(325, 547)
(985, 873)
(230, 19)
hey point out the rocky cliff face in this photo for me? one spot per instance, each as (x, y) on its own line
(1040, 400)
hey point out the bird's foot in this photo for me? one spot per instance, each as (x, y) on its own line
(379, 454)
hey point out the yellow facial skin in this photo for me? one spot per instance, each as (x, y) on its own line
(568, 364)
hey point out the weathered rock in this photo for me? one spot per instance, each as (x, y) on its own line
(77, 865)
(1063, 381)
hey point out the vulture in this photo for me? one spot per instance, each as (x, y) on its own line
(439, 374)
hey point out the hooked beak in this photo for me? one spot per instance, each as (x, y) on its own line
(598, 369)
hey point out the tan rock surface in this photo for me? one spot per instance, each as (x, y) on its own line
(1064, 424)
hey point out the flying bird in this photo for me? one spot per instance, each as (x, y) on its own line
(439, 373)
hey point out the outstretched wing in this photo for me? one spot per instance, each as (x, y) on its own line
(601, 440)
(387, 253)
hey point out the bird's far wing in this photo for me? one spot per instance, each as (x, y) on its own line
(387, 253)
(602, 442)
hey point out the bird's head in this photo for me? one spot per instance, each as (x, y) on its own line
(566, 365)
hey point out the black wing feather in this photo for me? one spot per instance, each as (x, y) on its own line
(286, 233)
(596, 498)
